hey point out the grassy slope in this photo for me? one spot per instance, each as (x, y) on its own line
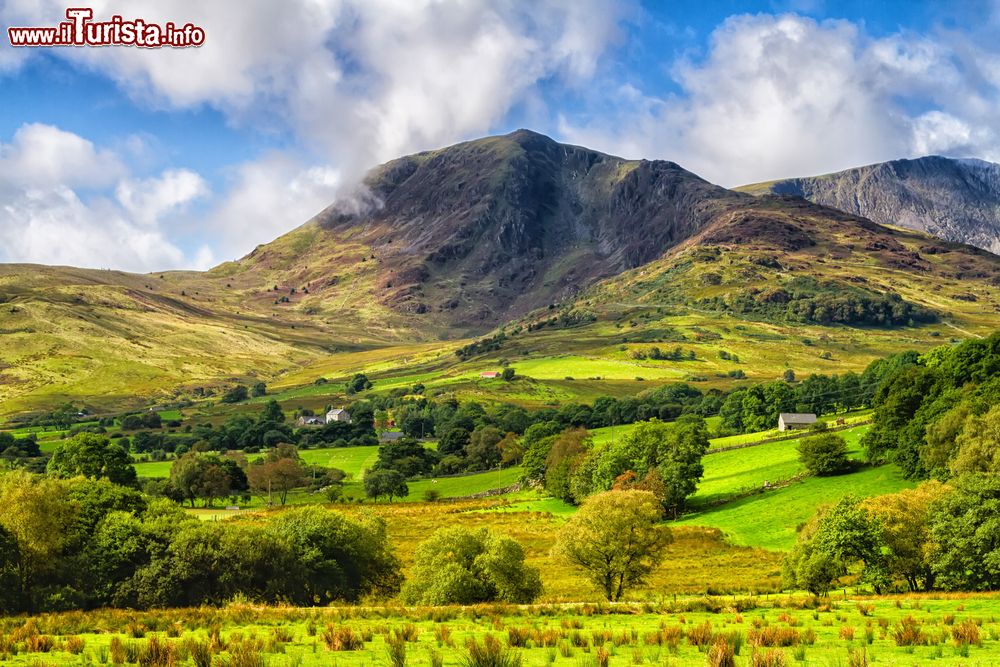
(112, 339)
(771, 520)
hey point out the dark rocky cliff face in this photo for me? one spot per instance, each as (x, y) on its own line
(956, 200)
(489, 229)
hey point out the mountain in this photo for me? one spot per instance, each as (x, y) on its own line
(956, 200)
(484, 231)
(577, 254)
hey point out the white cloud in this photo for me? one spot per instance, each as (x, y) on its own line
(45, 156)
(268, 197)
(779, 96)
(48, 214)
(361, 81)
(148, 200)
(53, 226)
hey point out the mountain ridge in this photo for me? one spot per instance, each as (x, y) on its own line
(954, 199)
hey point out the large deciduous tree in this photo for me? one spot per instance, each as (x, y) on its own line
(615, 540)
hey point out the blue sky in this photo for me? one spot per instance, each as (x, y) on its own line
(150, 159)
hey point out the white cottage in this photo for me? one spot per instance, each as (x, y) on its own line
(338, 415)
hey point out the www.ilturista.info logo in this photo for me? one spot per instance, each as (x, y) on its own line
(81, 30)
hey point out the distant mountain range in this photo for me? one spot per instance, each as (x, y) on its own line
(956, 200)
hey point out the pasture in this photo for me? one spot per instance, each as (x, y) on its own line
(912, 630)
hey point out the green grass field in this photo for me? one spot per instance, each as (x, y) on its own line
(675, 632)
(771, 519)
(731, 472)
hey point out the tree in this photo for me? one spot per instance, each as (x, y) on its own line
(614, 540)
(675, 450)
(337, 558)
(680, 464)
(453, 441)
(389, 483)
(40, 518)
(566, 452)
(93, 456)
(809, 567)
(258, 389)
(838, 538)
(824, 454)
(507, 374)
(207, 476)
(279, 476)
(358, 383)
(463, 566)
(482, 451)
(511, 450)
(272, 413)
(978, 445)
(904, 520)
(235, 394)
(406, 455)
(788, 375)
(966, 535)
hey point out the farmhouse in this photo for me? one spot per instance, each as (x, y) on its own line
(789, 421)
(489, 375)
(338, 415)
(311, 421)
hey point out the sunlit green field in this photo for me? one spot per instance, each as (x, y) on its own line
(771, 519)
(731, 472)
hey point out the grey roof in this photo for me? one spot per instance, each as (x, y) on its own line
(336, 411)
(797, 417)
(391, 435)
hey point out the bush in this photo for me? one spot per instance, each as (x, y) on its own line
(824, 454)
(462, 566)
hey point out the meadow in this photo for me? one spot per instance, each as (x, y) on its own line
(770, 631)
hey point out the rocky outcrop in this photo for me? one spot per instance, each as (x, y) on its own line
(956, 200)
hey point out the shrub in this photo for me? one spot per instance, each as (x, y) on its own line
(199, 652)
(75, 645)
(857, 658)
(824, 454)
(700, 635)
(773, 636)
(156, 653)
(459, 565)
(39, 644)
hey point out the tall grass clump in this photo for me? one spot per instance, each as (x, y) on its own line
(341, 639)
(490, 653)
(909, 633)
(721, 654)
(395, 649)
(966, 633)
